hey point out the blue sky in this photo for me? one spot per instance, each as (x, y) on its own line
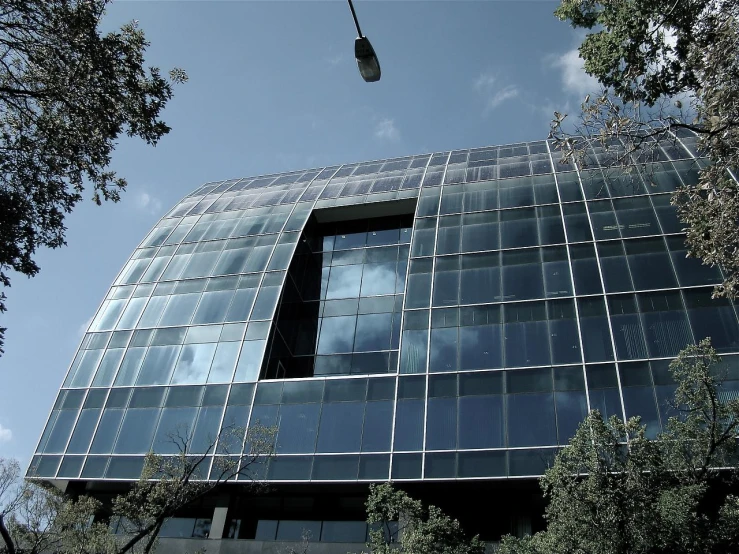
(274, 87)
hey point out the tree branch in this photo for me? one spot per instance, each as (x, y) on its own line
(9, 544)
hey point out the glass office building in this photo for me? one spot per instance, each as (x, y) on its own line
(444, 320)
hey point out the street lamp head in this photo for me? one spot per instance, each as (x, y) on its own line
(369, 65)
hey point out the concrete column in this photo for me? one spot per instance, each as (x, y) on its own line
(220, 516)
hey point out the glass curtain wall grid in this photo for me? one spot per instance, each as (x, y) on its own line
(341, 306)
(464, 340)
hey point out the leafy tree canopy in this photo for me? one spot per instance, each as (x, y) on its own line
(36, 518)
(615, 491)
(67, 93)
(401, 525)
(666, 66)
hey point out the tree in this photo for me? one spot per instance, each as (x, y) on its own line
(615, 491)
(666, 67)
(419, 530)
(10, 494)
(170, 483)
(67, 93)
(42, 519)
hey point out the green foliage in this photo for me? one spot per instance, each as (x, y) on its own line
(643, 49)
(419, 530)
(666, 66)
(67, 93)
(41, 519)
(615, 491)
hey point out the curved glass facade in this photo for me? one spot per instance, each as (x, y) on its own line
(436, 317)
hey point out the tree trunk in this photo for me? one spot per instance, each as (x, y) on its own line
(6, 535)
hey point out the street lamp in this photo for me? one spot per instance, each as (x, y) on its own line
(369, 65)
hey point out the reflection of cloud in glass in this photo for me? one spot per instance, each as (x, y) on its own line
(194, 363)
(378, 279)
(373, 332)
(344, 281)
(443, 349)
(337, 334)
(223, 362)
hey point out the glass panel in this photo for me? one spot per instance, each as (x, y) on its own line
(406, 466)
(206, 430)
(480, 232)
(480, 279)
(409, 425)
(525, 408)
(650, 264)
(344, 281)
(373, 332)
(481, 422)
(572, 408)
(665, 322)
(130, 367)
(713, 318)
(86, 368)
(516, 229)
(153, 311)
(241, 305)
(295, 530)
(526, 335)
(131, 313)
(344, 531)
(158, 365)
(137, 431)
(596, 336)
(336, 335)
(441, 424)
(640, 401)
(62, 429)
(585, 269)
(266, 301)
(378, 419)
(107, 431)
(522, 276)
(108, 314)
(213, 307)
(179, 309)
(250, 361)
(341, 427)
(193, 364)
(224, 361)
(297, 428)
(413, 351)
(174, 423)
(616, 274)
(107, 368)
(627, 330)
(125, 467)
(378, 279)
(83, 431)
(563, 332)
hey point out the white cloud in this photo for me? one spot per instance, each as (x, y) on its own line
(500, 96)
(574, 78)
(484, 82)
(487, 85)
(82, 329)
(5, 434)
(385, 129)
(336, 59)
(148, 203)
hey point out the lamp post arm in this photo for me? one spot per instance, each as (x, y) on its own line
(354, 15)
